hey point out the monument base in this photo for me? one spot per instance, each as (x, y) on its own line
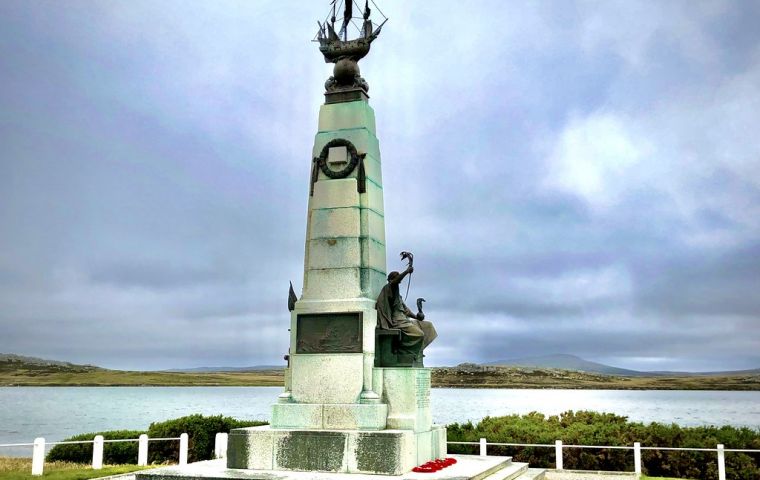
(385, 452)
(468, 467)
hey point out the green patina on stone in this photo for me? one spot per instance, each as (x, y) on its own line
(311, 451)
(238, 451)
(372, 453)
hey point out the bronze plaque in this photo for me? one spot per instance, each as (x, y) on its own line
(329, 333)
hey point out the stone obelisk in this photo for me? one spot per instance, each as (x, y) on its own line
(339, 413)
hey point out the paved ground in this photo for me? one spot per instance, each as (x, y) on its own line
(552, 475)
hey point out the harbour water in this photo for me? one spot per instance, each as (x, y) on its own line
(58, 412)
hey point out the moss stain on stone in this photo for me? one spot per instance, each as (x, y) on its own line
(372, 453)
(312, 451)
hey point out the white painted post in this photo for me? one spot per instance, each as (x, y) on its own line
(637, 458)
(142, 450)
(558, 453)
(483, 447)
(97, 452)
(220, 445)
(38, 456)
(183, 444)
(721, 463)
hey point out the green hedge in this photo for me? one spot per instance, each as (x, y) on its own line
(201, 430)
(113, 453)
(591, 428)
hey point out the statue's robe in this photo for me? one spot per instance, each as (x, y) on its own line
(392, 313)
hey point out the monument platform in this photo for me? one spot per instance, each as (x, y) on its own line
(468, 467)
(387, 452)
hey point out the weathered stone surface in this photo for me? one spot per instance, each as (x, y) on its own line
(340, 192)
(468, 467)
(324, 378)
(320, 451)
(364, 141)
(373, 226)
(407, 393)
(333, 283)
(335, 252)
(355, 417)
(350, 416)
(340, 116)
(335, 223)
(297, 415)
(388, 452)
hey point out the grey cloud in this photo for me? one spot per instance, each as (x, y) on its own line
(154, 168)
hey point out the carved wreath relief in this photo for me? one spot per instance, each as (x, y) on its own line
(354, 159)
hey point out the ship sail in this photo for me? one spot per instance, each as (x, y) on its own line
(348, 13)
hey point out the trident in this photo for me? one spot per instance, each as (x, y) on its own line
(410, 258)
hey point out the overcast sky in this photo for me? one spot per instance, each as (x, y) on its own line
(573, 177)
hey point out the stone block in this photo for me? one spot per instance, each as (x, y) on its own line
(407, 393)
(373, 254)
(373, 170)
(424, 441)
(334, 193)
(372, 282)
(355, 416)
(363, 140)
(332, 284)
(297, 415)
(373, 225)
(327, 378)
(251, 448)
(322, 451)
(374, 198)
(388, 452)
(440, 450)
(335, 222)
(329, 253)
(341, 116)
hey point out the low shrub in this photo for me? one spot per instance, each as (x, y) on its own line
(113, 453)
(201, 430)
(592, 428)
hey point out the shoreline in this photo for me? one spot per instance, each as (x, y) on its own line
(476, 377)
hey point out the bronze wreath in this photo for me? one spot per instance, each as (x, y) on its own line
(354, 158)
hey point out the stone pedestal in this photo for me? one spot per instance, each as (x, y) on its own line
(390, 436)
(388, 452)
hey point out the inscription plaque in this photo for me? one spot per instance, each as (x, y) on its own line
(329, 333)
(423, 389)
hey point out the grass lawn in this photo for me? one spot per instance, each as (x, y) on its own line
(21, 469)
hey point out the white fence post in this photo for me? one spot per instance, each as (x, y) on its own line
(558, 453)
(637, 458)
(721, 463)
(97, 452)
(38, 456)
(220, 445)
(483, 447)
(142, 450)
(183, 444)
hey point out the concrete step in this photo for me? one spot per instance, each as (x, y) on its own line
(511, 471)
(533, 474)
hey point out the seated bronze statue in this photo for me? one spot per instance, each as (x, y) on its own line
(393, 314)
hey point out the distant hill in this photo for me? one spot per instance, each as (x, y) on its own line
(10, 362)
(572, 362)
(567, 362)
(256, 368)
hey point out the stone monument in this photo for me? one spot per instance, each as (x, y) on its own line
(357, 396)
(340, 412)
